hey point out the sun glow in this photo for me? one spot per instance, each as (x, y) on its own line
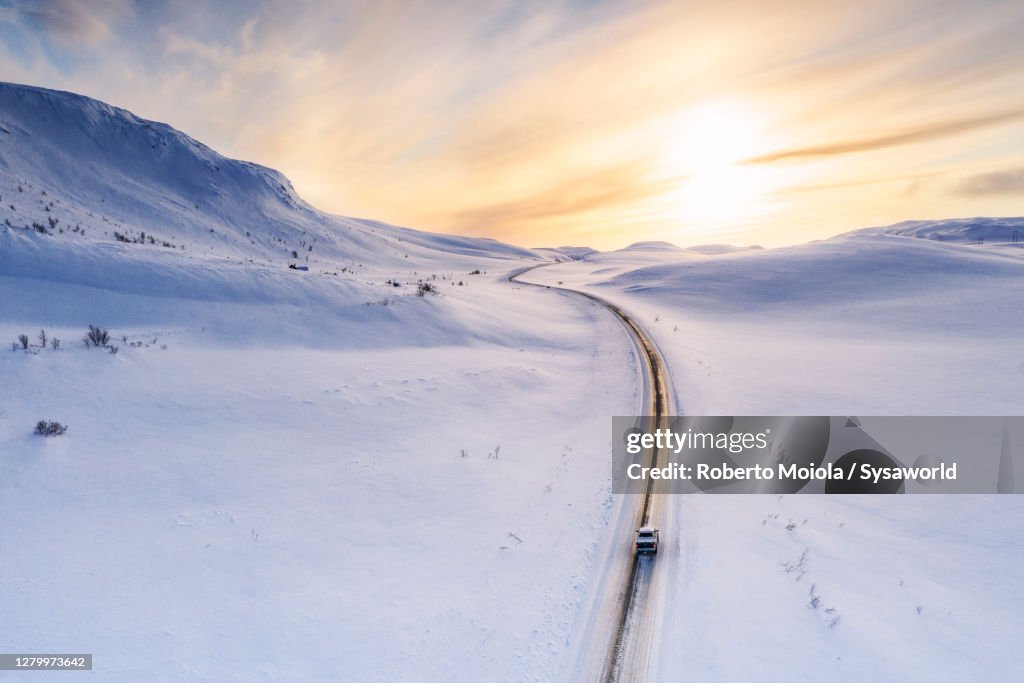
(709, 144)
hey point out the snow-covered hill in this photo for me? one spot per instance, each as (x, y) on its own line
(980, 231)
(271, 473)
(567, 253)
(873, 310)
(85, 172)
(863, 324)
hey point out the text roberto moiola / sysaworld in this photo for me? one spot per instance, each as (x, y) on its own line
(738, 442)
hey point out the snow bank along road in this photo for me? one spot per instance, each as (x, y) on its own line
(616, 629)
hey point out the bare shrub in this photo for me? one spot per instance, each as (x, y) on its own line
(50, 428)
(96, 337)
(814, 601)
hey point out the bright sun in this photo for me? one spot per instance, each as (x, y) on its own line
(709, 144)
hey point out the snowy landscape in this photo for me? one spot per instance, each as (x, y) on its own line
(317, 448)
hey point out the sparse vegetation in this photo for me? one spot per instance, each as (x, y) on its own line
(798, 566)
(96, 337)
(141, 238)
(814, 601)
(50, 428)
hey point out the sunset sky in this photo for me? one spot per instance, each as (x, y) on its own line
(590, 123)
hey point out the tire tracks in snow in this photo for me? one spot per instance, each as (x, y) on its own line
(621, 650)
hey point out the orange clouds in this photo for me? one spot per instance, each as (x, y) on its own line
(573, 121)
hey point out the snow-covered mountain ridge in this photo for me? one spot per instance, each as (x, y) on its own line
(78, 170)
(980, 230)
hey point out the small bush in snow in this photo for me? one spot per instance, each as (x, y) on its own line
(23, 340)
(96, 337)
(50, 428)
(42, 339)
(55, 343)
(814, 601)
(425, 288)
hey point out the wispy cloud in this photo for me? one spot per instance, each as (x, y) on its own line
(81, 22)
(893, 139)
(1004, 182)
(535, 120)
(595, 196)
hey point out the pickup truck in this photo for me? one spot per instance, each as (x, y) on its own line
(647, 540)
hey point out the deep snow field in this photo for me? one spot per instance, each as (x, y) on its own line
(319, 475)
(249, 504)
(281, 474)
(871, 324)
(924, 587)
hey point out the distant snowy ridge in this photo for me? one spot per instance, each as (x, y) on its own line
(718, 249)
(567, 252)
(651, 246)
(979, 230)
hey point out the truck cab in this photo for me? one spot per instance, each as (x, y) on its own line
(647, 539)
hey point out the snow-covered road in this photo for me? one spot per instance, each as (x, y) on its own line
(615, 639)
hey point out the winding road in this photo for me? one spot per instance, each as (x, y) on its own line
(620, 619)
